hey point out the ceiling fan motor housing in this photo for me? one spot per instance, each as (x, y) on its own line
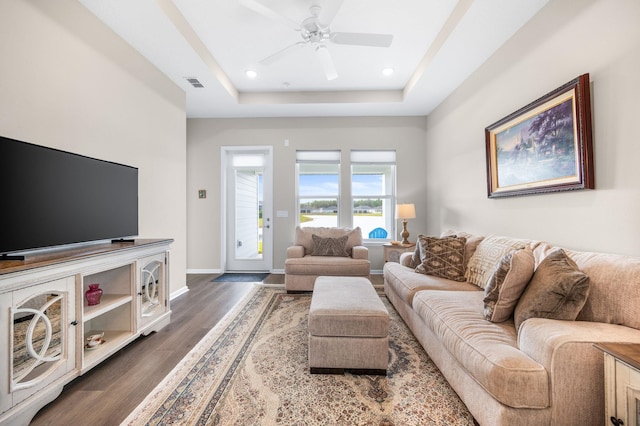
(313, 31)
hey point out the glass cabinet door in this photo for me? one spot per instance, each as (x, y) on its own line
(152, 300)
(42, 336)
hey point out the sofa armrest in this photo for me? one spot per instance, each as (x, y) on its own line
(566, 350)
(295, 251)
(360, 252)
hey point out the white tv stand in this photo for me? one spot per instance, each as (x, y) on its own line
(45, 317)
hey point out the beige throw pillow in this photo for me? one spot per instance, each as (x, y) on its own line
(507, 283)
(442, 257)
(487, 256)
(558, 290)
(330, 246)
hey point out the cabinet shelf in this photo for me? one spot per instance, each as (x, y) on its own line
(107, 303)
(112, 340)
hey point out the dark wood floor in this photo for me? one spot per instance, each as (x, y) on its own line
(108, 393)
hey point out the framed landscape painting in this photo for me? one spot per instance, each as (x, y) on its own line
(545, 146)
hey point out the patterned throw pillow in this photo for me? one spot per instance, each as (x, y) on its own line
(330, 246)
(507, 283)
(442, 257)
(558, 290)
(487, 256)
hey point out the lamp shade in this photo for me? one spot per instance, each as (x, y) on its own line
(405, 211)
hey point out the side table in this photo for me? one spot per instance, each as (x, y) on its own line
(622, 383)
(392, 252)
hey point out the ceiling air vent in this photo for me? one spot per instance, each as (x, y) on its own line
(194, 82)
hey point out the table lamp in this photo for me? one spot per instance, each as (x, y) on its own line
(404, 212)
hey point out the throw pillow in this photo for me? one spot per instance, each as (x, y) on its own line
(558, 290)
(442, 257)
(329, 246)
(507, 283)
(487, 256)
(415, 257)
(471, 245)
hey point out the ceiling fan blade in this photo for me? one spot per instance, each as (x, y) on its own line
(280, 54)
(270, 13)
(362, 39)
(327, 63)
(329, 11)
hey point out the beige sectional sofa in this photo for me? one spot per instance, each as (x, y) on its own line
(548, 371)
(308, 258)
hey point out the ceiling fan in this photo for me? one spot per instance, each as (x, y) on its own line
(315, 31)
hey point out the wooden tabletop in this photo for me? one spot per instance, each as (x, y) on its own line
(626, 352)
(52, 256)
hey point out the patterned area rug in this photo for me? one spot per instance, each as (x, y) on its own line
(252, 369)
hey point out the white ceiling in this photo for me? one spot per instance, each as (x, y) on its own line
(436, 45)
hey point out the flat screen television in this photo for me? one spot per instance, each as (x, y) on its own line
(52, 198)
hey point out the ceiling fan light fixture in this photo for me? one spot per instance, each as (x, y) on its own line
(251, 74)
(327, 63)
(387, 71)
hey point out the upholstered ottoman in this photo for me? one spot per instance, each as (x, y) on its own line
(348, 327)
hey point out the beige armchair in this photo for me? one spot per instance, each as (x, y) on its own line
(307, 259)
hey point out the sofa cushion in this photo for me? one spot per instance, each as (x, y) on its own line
(406, 282)
(442, 257)
(558, 290)
(487, 351)
(303, 236)
(318, 265)
(487, 256)
(507, 283)
(614, 287)
(329, 246)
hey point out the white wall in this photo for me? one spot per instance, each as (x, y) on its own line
(205, 137)
(66, 81)
(566, 39)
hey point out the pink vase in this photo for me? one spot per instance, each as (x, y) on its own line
(94, 294)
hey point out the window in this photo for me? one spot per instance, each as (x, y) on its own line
(318, 179)
(370, 198)
(373, 175)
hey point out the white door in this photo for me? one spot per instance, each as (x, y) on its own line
(248, 230)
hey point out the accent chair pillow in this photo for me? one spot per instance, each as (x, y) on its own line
(304, 236)
(558, 290)
(487, 256)
(507, 283)
(330, 246)
(442, 257)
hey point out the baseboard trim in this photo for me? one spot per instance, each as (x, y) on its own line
(179, 292)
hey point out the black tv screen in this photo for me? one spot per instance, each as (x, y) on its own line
(51, 198)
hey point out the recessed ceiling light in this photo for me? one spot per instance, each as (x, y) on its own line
(387, 71)
(251, 74)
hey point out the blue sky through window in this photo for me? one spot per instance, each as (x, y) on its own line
(321, 185)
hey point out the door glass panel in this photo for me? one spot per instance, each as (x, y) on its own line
(151, 288)
(38, 338)
(249, 226)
